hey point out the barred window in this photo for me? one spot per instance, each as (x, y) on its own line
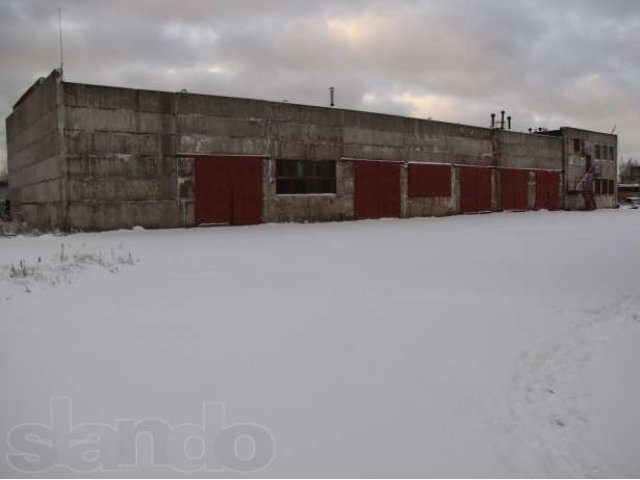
(305, 176)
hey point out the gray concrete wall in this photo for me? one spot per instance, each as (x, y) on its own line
(123, 170)
(302, 208)
(114, 123)
(575, 165)
(220, 125)
(524, 150)
(127, 155)
(35, 153)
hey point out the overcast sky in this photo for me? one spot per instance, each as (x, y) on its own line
(548, 63)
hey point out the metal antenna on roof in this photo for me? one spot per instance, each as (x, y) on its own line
(61, 49)
(613, 130)
(331, 90)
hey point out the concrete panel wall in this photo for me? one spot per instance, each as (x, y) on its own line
(309, 208)
(113, 121)
(125, 156)
(575, 164)
(35, 154)
(524, 150)
(122, 167)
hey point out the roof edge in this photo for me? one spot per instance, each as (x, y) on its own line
(56, 72)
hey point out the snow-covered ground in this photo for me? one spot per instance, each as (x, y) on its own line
(484, 345)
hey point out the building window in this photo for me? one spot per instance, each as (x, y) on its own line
(597, 152)
(611, 156)
(605, 186)
(577, 147)
(305, 176)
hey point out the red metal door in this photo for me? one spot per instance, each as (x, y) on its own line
(213, 191)
(377, 189)
(553, 182)
(228, 190)
(467, 189)
(475, 189)
(547, 185)
(484, 189)
(246, 190)
(514, 192)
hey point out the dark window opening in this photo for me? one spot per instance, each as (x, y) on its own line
(597, 154)
(305, 176)
(577, 145)
(611, 156)
(605, 186)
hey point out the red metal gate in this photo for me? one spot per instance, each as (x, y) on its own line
(514, 191)
(228, 190)
(377, 189)
(475, 189)
(427, 180)
(547, 186)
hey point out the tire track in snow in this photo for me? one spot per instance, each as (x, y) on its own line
(544, 403)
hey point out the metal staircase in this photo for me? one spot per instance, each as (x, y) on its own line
(585, 187)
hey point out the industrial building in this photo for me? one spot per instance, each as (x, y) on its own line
(93, 157)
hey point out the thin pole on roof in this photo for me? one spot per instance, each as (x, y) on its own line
(61, 49)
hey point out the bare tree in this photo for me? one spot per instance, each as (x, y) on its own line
(4, 172)
(629, 170)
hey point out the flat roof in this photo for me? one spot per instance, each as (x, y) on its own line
(547, 133)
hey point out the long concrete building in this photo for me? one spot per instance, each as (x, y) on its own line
(90, 157)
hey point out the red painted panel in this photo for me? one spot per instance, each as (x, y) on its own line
(429, 180)
(377, 189)
(547, 185)
(553, 180)
(514, 192)
(213, 191)
(246, 188)
(228, 190)
(484, 189)
(468, 189)
(475, 189)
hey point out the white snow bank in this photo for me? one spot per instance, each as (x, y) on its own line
(492, 345)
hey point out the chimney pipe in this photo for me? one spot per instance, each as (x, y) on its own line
(509, 122)
(331, 95)
(502, 119)
(493, 120)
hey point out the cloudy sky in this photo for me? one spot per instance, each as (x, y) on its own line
(548, 63)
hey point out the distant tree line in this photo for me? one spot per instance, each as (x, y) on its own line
(629, 170)
(4, 172)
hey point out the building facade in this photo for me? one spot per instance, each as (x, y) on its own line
(92, 157)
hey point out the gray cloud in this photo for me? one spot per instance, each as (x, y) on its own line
(548, 63)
